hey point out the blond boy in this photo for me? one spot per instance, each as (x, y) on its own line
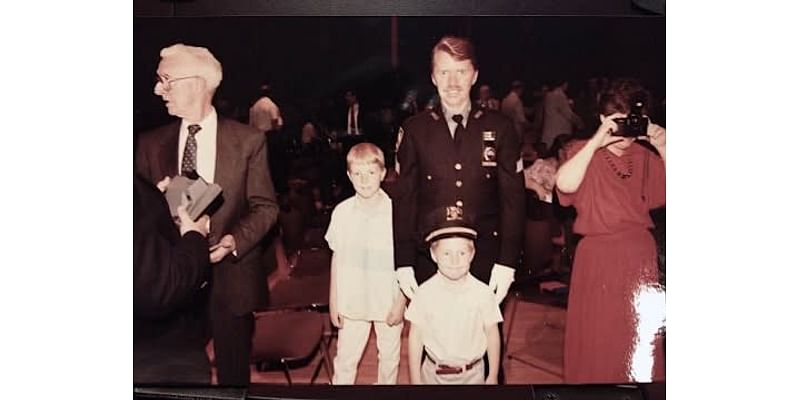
(364, 291)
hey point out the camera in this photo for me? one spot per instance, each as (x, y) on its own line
(635, 124)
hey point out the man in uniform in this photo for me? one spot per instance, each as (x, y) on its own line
(461, 156)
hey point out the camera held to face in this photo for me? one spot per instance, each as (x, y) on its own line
(635, 124)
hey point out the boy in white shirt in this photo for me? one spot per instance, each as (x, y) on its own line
(364, 291)
(454, 316)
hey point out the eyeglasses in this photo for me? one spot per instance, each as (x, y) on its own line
(166, 85)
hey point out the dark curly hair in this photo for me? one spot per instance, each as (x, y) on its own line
(620, 94)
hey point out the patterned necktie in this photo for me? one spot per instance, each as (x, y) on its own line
(460, 130)
(189, 162)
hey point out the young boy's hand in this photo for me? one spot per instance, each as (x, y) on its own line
(396, 313)
(336, 318)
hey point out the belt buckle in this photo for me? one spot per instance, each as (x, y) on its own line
(442, 369)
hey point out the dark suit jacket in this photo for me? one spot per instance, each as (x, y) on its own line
(248, 211)
(168, 276)
(435, 172)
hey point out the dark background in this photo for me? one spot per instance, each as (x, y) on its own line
(312, 60)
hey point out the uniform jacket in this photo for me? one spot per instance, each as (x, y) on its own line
(437, 171)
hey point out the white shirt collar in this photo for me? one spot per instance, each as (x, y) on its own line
(448, 114)
(208, 123)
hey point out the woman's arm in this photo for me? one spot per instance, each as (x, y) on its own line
(570, 176)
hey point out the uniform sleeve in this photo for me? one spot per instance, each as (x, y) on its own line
(656, 181)
(511, 189)
(568, 199)
(404, 201)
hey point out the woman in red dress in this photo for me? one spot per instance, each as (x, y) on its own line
(615, 305)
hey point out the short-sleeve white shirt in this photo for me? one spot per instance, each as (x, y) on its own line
(362, 243)
(452, 317)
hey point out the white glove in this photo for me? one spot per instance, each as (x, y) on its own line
(407, 281)
(500, 281)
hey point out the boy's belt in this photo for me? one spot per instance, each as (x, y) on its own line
(444, 369)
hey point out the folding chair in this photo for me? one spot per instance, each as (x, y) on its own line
(289, 336)
(307, 294)
(550, 293)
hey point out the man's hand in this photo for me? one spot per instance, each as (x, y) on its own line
(336, 318)
(491, 380)
(225, 246)
(395, 315)
(500, 281)
(407, 281)
(162, 186)
(185, 223)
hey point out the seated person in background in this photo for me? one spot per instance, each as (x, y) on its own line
(364, 291)
(170, 268)
(454, 316)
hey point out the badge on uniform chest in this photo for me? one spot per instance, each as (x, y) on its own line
(489, 151)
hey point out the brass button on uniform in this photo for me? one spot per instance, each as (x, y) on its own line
(460, 203)
(488, 176)
(494, 233)
(429, 177)
(458, 166)
(458, 183)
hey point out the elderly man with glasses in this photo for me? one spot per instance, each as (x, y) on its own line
(233, 155)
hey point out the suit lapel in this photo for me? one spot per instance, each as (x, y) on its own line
(168, 154)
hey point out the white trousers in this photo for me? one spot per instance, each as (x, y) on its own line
(353, 337)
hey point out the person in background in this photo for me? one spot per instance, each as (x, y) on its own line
(265, 115)
(514, 109)
(486, 100)
(558, 117)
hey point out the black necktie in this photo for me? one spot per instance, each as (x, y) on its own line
(460, 130)
(189, 163)
(352, 128)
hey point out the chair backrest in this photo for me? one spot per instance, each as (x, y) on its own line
(312, 262)
(286, 335)
(309, 292)
(315, 238)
